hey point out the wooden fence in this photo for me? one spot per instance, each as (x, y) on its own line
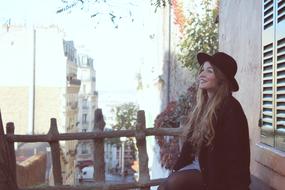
(8, 159)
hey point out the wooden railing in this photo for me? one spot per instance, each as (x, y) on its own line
(8, 160)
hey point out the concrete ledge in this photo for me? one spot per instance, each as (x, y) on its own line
(270, 158)
(257, 184)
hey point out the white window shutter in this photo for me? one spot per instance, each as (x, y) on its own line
(268, 68)
(280, 75)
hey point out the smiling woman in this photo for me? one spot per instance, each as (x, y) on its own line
(207, 78)
(215, 154)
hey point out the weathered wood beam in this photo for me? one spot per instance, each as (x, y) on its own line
(6, 177)
(10, 129)
(163, 132)
(55, 153)
(98, 136)
(94, 135)
(99, 163)
(142, 152)
(105, 186)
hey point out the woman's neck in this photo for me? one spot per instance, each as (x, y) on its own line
(210, 94)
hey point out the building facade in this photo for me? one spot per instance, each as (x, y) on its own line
(39, 82)
(88, 103)
(72, 90)
(31, 97)
(254, 34)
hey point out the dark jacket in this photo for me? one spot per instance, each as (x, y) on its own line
(225, 164)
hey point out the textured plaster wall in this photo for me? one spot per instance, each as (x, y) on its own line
(240, 35)
(178, 78)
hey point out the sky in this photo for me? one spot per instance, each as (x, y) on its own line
(117, 52)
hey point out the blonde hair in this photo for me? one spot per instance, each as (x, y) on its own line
(200, 126)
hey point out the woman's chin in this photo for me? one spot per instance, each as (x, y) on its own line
(202, 87)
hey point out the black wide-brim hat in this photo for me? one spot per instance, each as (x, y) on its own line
(225, 63)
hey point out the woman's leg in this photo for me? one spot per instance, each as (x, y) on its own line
(183, 180)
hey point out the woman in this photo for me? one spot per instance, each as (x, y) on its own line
(215, 154)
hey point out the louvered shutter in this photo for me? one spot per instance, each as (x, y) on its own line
(268, 121)
(280, 75)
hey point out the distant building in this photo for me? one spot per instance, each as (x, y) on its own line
(33, 78)
(88, 103)
(38, 81)
(72, 90)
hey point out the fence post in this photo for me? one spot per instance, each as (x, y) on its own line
(99, 161)
(55, 152)
(6, 177)
(10, 128)
(142, 152)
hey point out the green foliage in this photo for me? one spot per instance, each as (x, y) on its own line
(125, 116)
(200, 34)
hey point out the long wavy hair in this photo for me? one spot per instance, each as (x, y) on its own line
(200, 126)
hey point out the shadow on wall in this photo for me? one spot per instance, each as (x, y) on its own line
(176, 79)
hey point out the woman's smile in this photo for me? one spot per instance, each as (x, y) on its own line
(207, 78)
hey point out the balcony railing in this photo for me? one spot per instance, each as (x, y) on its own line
(8, 178)
(7, 153)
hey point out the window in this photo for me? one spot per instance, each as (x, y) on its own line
(84, 104)
(273, 74)
(84, 118)
(84, 89)
(84, 149)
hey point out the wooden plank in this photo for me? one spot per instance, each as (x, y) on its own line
(142, 152)
(55, 152)
(6, 179)
(99, 163)
(93, 135)
(10, 129)
(3, 159)
(163, 132)
(110, 186)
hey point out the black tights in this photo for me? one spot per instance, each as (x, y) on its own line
(183, 180)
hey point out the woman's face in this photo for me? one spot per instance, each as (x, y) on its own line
(207, 78)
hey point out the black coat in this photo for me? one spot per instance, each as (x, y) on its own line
(225, 164)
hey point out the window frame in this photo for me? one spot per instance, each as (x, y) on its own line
(273, 74)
